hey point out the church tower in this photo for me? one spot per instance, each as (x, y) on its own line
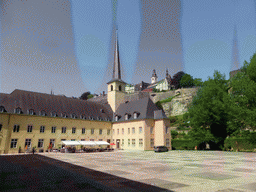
(116, 87)
(154, 77)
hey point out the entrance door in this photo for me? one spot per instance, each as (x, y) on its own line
(117, 143)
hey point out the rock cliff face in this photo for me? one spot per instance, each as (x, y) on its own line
(179, 104)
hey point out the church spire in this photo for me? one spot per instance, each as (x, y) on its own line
(117, 68)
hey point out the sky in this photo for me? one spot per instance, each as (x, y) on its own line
(76, 50)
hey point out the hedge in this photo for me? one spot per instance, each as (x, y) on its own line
(181, 144)
(238, 144)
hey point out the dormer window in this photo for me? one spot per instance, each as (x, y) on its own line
(73, 116)
(127, 116)
(64, 115)
(102, 111)
(116, 118)
(83, 117)
(54, 114)
(31, 112)
(136, 115)
(2, 109)
(18, 110)
(43, 113)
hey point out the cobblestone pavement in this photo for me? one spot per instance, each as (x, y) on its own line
(172, 171)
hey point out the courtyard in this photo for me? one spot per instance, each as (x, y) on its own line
(150, 171)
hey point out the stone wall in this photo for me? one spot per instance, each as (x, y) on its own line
(179, 104)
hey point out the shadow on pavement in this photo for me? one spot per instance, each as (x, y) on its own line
(40, 173)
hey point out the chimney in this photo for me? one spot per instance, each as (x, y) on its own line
(103, 93)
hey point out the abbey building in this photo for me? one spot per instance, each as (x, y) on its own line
(29, 119)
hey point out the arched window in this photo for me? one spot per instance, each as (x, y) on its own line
(120, 88)
(111, 87)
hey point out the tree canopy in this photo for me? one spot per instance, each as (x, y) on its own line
(210, 111)
(187, 81)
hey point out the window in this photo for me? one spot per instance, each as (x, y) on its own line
(151, 130)
(133, 142)
(82, 139)
(18, 110)
(126, 117)
(100, 132)
(52, 142)
(83, 130)
(54, 114)
(135, 115)
(117, 131)
(43, 113)
(122, 142)
(167, 143)
(91, 139)
(63, 129)
(111, 87)
(140, 130)
(64, 115)
(92, 131)
(83, 117)
(116, 118)
(120, 88)
(73, 116)
(73, 130)
(129, 142)
(1, 127)
(128, 130)
(40, 143)
(152, 143)
(42, 128)
(166, 129)
(113, 131)
(16, 128)
(108, 132)
(14, 143)
(53, 129)
(122, 130)
(133, 130)
(27, 143)
(2, 109)
(30, 127)
(31, 112)
(72, 139)
(140, 142)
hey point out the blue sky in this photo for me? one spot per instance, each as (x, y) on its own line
(206, 30)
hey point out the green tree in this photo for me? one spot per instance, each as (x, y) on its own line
(243, 91)
(210, 111)
(198, 82)
(186, 81)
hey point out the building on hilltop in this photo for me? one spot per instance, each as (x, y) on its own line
(29, 119)
(164, 84)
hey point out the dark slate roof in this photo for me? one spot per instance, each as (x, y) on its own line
(27, 100)
(113, 80)
(103, 99)
(145, 107)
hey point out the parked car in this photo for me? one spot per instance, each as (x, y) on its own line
(160, 149)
